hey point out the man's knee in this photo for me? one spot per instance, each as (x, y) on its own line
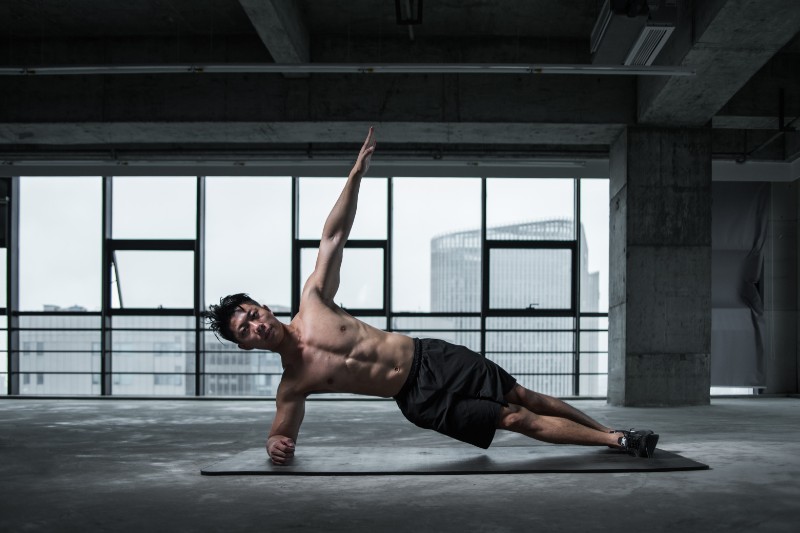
(519, 395)
(514, 417)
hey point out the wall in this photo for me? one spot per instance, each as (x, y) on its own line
(781, 290)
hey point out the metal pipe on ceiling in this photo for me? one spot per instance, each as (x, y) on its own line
(351, 68)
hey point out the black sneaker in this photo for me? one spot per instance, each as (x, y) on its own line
(640, 443)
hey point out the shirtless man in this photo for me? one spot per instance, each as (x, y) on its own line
(437, 385)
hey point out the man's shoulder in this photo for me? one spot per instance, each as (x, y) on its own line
(313, 304)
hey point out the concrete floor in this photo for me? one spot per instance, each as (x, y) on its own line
(133, 465)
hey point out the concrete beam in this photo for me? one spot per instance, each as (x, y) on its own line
(757, 105)
(281, 27)
(52, 134)
(366, 98)
(726, 42)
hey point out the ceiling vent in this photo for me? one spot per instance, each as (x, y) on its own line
(632, 32)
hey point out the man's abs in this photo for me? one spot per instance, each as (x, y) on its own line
(343, 354)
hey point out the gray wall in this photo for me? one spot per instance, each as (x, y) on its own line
(781, 290)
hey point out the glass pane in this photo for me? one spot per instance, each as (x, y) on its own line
(530, 342)
(594, 341)
(153, 279)
(154, 322)
(530, 279)
(60, 243)
(44, 361)
(594, 322)
(436, 259)
(594, 245)
(41, 383)
(593, 385)
(530, 209)
(57, 350)
(523, 364)
(558, 386)
(60, 321)
(242, 384)
(594, 363)
(538, 323)
(233, 372)
(249, 239)
(3, 277)
(153, 341)
(59, 354)
(3, 355)
(153, 355)
(154, 207)
(152, 384)
(456, 329)
(361, 280)
(317, 197)
(593, 374)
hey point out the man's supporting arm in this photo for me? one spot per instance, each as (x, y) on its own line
(289, 414)
(338, 225)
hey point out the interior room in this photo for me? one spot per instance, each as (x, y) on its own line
(599, 197)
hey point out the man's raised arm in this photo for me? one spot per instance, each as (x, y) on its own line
(338, 225)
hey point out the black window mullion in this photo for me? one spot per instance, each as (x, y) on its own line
(576, 289)
(12, 285)
(199, 287)
(295, 297)
(105, 276)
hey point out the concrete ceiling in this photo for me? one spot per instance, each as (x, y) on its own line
(745, 53)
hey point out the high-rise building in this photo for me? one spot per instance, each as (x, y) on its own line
(541, 352)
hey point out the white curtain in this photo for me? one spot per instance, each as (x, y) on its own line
(739, 230)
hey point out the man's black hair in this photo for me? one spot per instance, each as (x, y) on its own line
(219, 316)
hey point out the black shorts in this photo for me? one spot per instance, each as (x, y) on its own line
(454, 391)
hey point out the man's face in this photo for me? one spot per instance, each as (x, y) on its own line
(255, 326)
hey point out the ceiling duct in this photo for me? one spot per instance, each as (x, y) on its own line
(632, 32)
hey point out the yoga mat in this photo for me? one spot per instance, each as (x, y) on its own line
(313, 460)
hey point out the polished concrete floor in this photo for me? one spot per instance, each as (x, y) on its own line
(134, 465)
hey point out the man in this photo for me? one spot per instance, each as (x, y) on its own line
(437, 385)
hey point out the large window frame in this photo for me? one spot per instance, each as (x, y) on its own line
(469, 323)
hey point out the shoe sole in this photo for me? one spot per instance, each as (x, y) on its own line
(650, 442)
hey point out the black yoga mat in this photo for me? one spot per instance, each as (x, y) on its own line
(313, 460)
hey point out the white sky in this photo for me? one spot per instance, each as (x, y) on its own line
(248, 234)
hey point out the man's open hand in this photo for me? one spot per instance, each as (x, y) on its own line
(364, 156)
(281, 450)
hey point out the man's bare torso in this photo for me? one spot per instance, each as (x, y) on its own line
(335, 352)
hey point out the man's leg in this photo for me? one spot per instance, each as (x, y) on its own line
(547, 406)
(554, 429)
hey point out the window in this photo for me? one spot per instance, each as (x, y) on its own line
(249, 239)
(153, 279)
(361, 278)
(59, 249)
(436, 260)
(530, 209)
(154, 207)
(317, 197)
(524, 278)
(424, 265)
(594, 245)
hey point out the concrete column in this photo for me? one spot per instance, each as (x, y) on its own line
(660, 267)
